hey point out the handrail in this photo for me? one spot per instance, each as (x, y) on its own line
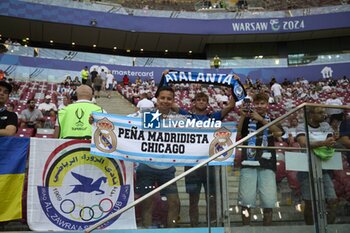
(122, 210)
(286, 148)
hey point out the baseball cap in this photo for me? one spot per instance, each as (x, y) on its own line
(6, 85)
(48, 97)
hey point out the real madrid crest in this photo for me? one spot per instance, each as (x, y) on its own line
(104, 137)
(220, 142)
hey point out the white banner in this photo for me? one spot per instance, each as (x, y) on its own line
(298, 161)
(126, 138)
(70, 189)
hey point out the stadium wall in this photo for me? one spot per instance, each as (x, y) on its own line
(52, 70)
(81, 17)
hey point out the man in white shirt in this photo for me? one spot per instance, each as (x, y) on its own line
(103, 75)
(47, 106)
(64, 103)
(276, 90)
(336, 114)
(326, 88)
(320, 134)
(144, 103)
(109, 83)
(290, 130)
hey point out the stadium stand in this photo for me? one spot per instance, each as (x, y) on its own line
(189, 5)
(185, 94)
(294, 95)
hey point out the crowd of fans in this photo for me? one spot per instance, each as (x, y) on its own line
(189, 5)
(37, 104)
(280, 98)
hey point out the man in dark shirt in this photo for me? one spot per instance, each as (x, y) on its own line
(8, 120)
(344, 136)
(93, 75)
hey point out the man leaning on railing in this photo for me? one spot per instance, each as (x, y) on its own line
(320, 135)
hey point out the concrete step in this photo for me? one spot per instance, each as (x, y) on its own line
(117, 104)
(285, 213)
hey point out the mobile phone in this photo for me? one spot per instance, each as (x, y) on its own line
(247, 104)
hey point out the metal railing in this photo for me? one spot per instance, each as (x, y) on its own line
(215, 156)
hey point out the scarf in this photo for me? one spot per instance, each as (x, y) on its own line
(238, 90)
(251, 152)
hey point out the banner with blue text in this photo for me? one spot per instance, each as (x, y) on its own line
(152, 139)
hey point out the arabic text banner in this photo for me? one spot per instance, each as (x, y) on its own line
(70, 189)
(126, 138)
(13, 154)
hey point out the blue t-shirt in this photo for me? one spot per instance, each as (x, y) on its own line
(215, 115)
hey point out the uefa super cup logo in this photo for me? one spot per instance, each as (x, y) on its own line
(80, 189)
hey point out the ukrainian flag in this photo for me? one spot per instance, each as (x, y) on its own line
(13, 154)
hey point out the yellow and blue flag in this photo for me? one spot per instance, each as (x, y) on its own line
(13, 154)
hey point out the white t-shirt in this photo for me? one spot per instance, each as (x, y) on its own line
(47, 107)
(335, 101)
(103, 76)
(110, 79)
(316, 134)
(154, 100)
(314, 96)
(289, 130)
(61, 106)
(224, 98)
(326, 89)
(276, 89)
(145, 104)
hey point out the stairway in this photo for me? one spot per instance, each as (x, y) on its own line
(286, 213)
(117, 104)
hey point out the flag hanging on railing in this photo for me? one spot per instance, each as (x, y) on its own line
(70, 189)
(181, 142)
(13, 154)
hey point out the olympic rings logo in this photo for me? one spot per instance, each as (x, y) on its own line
(86, 213)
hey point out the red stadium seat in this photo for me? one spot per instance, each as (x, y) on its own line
(25, 132)
(44, 136)
(341, 180)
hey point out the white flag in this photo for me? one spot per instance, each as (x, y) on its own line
(70, 189)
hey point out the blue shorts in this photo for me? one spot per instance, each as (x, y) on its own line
(329, 191)
(148, 178)
(196, 179)
(257, 180)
